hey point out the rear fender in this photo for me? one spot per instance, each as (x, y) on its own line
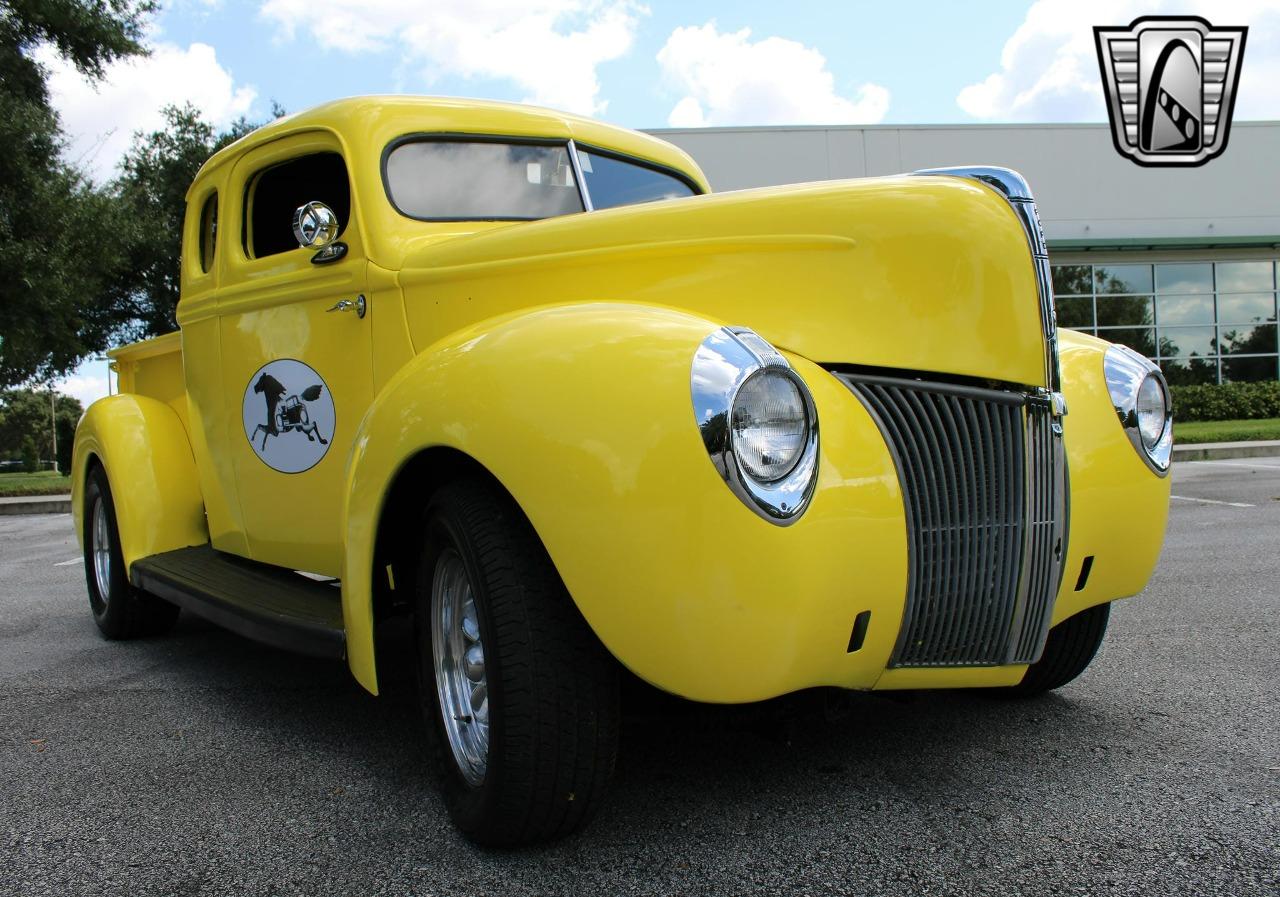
(143, 447)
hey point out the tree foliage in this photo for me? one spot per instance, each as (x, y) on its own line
(26, 415)
(151, 190)
(84, 266)
(56, 245)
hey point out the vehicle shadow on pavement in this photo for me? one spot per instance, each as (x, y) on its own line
(295, 781)
(717, 773)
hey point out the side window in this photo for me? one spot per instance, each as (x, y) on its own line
(613, 182)
(275, 194)
(208, 232)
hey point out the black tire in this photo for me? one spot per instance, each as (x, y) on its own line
(553, 693)
(120, 610)
(1068, 651)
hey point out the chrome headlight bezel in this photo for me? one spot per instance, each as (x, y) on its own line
(726, 359)
(1126, 371)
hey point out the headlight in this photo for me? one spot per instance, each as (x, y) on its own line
(1141, 399)
(758, 423)
(1152, 416)
(770, 425)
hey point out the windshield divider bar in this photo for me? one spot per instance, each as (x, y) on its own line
(577, 174)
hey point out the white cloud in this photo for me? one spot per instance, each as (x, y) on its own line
(1049, 66)
(88, 382)
(101, 118)
(729, 79)
(549, 48)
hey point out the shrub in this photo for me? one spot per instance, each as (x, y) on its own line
(30, 455)
(1226, 401)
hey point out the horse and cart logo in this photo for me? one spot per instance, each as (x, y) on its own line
(288, 415)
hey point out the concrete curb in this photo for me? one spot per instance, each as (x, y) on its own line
(35, 504)
(1221, 451)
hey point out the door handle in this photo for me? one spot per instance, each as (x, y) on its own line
(358, 305)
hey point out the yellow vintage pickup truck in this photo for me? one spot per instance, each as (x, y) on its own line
(522, 377)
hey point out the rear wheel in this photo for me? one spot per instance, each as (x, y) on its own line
(1069, 650)
(120, 610)
(522, 696)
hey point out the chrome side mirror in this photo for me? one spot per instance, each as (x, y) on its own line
(314, 225)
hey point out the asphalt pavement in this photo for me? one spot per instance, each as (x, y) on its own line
(204, 764)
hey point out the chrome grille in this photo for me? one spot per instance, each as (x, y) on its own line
(982, 475)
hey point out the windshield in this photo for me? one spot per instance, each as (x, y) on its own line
(472, 180)
(614, 182)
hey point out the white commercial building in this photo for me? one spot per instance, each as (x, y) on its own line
(1180, 263)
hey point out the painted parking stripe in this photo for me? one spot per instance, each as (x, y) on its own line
(1210, 501)
(1252, 466)
(68, 563)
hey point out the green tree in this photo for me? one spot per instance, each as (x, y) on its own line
(152, 189)
(30, 455)
(25, 415)
(57, 229)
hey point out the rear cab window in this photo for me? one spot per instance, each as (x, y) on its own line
(208, 235)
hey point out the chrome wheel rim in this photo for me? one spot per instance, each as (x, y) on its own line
(100, 546)
(458, 653)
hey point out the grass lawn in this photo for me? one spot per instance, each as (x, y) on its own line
(1225, 430)
(46, 482)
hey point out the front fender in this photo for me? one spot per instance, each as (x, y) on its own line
(1118, 506)
(144, 449)
(583, 413)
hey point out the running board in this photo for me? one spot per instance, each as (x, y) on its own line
(259, 601)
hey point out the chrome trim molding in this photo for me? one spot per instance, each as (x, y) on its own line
(576, 164)
(1013, 188)
(1045, 549)
(983, 479)
(725, 360)
(1125, 370)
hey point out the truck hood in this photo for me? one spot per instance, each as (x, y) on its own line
(919, 273)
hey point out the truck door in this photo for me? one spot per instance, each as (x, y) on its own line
(295, 347)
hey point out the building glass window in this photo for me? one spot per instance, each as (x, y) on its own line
(1202, 322)
(1071, 280)
(1175, 310)
(1246, 308)
(1075, 312)
(1245, 277)
(1139, 339)
(1112, 279)
(1125, 311)
(1181, 277)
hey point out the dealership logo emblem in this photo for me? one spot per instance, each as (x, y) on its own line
(1171, 86)
(288, 415)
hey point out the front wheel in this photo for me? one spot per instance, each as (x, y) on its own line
(522, 696)
(120, 610)
(1067, 652)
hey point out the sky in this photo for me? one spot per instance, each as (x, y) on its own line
(640, 65)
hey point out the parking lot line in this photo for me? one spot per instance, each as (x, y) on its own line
(1211, 501)
(1251, 465)
(68, 563)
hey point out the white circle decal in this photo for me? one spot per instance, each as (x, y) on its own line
(288, 415)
